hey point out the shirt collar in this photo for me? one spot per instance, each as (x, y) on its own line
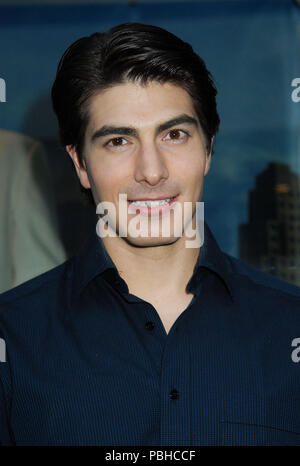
(211, 257)
(93, 259)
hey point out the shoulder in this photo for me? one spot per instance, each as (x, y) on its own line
(16, 152)
(36, 297)
(252, 280)
(12, 139)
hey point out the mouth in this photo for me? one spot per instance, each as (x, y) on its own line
(152, 206)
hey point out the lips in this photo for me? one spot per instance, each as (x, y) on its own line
(160, 198)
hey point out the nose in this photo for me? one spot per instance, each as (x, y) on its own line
(150, 165)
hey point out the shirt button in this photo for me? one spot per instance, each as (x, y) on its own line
(149, 326)
(174, 394)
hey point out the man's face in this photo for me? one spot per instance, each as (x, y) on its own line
(132, 146)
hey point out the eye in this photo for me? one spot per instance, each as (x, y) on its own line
(115, 142)
(177, 135)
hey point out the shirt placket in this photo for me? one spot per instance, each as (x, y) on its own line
(170, 354)
(175, 389)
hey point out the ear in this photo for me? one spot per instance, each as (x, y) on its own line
(209, 156)
(80, 168)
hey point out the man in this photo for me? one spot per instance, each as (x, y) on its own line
(144, 340)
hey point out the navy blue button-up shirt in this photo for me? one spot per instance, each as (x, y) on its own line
(87, 363)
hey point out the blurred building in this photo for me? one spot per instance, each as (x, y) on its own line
(270, 240)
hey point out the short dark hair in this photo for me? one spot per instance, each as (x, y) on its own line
(129, 52)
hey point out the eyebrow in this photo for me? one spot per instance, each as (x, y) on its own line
(130, 131)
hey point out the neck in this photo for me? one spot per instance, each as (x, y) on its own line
(153, 269)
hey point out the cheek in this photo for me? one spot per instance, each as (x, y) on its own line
(191, 167)
(193, 175)
(107, 178)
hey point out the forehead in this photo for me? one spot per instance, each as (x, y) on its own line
(139, 105)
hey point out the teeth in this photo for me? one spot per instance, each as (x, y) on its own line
(152, 203)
